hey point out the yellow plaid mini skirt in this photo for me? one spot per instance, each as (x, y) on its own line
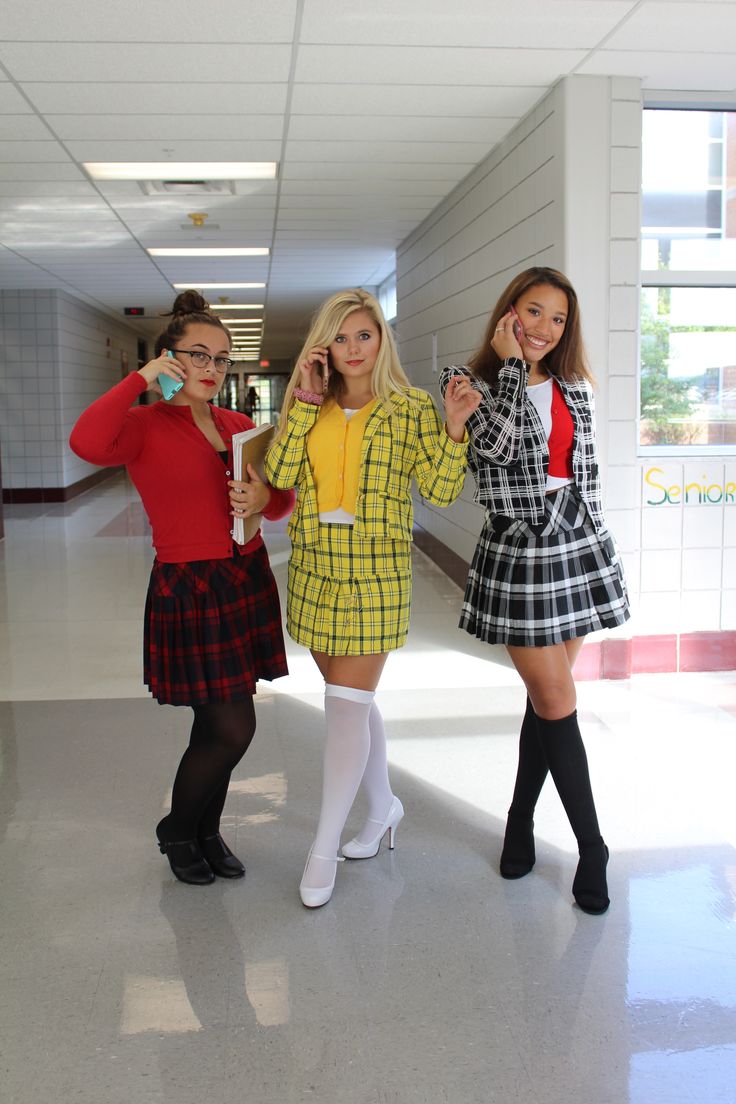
(348, 596)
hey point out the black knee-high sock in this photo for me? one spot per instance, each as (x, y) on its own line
(568, 765)
(532, 769)
(220, 738)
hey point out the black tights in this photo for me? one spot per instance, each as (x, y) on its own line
(221, 735)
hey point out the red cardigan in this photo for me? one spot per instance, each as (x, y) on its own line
(178, 474)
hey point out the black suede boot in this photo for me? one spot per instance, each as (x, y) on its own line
(518, 855)
(589, 888)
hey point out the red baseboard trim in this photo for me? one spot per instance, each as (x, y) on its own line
(56, 494)
(617, 658)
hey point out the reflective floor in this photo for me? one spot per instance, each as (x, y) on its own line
(427, 978)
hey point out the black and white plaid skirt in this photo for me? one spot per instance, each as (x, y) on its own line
(534, 585)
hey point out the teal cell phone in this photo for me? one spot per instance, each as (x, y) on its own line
(169, 386)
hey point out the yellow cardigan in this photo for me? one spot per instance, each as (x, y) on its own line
(333, 450)
(408, 442)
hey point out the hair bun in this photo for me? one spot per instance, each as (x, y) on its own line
(190, 302)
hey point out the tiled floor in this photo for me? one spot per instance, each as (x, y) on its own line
(427, 979)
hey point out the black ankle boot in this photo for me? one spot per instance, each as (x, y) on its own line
(220, 857)
(518, 855)
(186, 860)
(589, 887)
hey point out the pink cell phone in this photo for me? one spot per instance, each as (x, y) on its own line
(516, 325)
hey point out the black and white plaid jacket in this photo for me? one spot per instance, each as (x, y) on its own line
(508, 452)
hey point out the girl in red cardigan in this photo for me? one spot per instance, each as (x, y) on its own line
(212, 620)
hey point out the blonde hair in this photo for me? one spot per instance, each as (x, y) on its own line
(387, 375)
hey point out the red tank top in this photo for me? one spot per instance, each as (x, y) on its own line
(560, 438)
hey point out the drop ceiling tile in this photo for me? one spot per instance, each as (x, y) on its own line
(351, 201)
(218, 64)
(11, 101)
(563, 24)
(326, 190)
(174, 150)
(22, 128)
(404, 128)
(434, 65)
(165, 127)
(664, 27)
(61, 171)
(172, 97)
(426, 99)
(360, 173)
(393, 153)
(31, 188)
(28, 152)
(163, 22)
(687, 72)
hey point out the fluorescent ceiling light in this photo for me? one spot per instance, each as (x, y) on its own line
(236, 306)
(250, 251)
(181, 170)
(195, 285)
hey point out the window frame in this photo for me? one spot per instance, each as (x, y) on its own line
(679, 278)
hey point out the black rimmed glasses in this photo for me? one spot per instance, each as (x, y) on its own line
(201, 360)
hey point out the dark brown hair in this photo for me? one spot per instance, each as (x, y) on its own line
(567, 361)
(189, 309)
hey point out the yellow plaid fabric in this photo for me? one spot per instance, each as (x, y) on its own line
(349, 589)
(348, 596)
(409, 442)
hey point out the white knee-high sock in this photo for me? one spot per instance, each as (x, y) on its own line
(346, 753)
(375, 777)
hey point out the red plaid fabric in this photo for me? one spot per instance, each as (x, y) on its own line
(212, 629)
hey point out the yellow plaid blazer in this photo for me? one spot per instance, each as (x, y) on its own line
(408, 442)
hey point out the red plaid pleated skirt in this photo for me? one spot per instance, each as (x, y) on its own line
(212, 629)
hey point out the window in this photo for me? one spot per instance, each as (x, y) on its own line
(688, 307)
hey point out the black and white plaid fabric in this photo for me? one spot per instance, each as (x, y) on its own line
(508, 452)
(537, 584)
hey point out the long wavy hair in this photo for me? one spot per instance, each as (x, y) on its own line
(567, 361)
(387, 376)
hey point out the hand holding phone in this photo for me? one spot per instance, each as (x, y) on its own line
(169, 386)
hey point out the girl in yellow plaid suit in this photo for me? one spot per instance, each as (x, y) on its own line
(353, 434)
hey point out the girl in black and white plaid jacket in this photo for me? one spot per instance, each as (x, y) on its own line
(546, 571)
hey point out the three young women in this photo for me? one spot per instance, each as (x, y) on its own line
(545, 572)
(212, 620)
(352, 436)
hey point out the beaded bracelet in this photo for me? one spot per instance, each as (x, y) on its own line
(308, 396)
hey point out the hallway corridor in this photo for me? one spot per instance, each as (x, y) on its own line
(427, 979)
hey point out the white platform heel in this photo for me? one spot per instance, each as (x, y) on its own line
(315, 898)
(357, 850)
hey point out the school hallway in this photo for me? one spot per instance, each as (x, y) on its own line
(427, 979)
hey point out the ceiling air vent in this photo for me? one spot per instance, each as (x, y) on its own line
(188, 187)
